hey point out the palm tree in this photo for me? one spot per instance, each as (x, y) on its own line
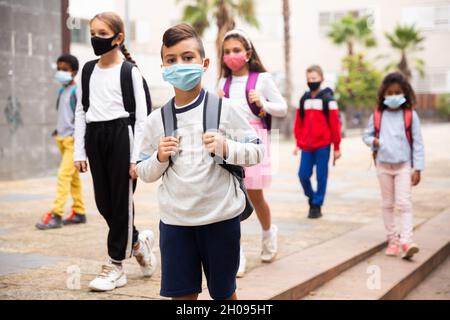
(406, 39)
(351, 30)
(200, 14)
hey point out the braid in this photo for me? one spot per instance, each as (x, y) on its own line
(126, 54)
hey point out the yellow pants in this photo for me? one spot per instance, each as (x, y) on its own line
(68, 179)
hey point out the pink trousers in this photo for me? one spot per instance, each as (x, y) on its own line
(395, 184)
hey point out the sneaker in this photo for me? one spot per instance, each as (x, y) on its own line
(315, 212)
(392, 249)
(49, 221)
(144, 255)
(75, 218)
(270, 245)
(242, 264)
(112, 276)
(409, 249)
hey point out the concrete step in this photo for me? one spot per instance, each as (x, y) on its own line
(383, 277)
(294, 276)
(436, 286)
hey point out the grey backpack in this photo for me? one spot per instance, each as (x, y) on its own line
(211, 120)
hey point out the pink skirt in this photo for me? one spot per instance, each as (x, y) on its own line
(259, 176)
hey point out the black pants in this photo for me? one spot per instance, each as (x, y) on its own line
(108, 150)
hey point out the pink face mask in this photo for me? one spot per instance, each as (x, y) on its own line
(235, 61)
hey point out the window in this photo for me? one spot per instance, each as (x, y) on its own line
(328, 18)
(428, 18)
(80, 32)
(435, 81)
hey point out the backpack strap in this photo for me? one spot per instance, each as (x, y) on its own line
(126, 85)
(148, 98)
(377, 121)
(407, 116)
(211, 112)
(326, 108)
(85, 78)
(60, 91)
(226, 87)
(73, 98)
(211, 117)
(168, 119)
(251, 85)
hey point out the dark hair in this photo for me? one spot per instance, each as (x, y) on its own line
(71, 60)
(402, 81)
(178, 33)
(115, 23)
(254, 63)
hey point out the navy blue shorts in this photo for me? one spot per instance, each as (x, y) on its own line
(185, 250)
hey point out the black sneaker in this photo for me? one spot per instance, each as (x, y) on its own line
(315, 212)
(75, 218)
(50, 221)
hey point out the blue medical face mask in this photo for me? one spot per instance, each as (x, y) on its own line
(395, 101)
(63, 77)
(183, 76)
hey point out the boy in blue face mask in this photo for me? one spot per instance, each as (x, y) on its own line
(200, 201)
(68, 177)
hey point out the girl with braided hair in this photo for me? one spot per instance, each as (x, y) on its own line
(104, 134)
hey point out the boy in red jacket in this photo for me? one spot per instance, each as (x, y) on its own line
(316, 127)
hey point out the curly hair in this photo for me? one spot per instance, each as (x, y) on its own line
(402, 81)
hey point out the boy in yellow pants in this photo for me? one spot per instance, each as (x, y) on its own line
(68, 176)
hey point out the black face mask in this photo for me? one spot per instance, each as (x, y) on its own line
(102, 45)
(313, 86)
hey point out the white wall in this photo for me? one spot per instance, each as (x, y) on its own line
(309, 45)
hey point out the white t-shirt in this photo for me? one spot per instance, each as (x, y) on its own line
(195, 190)
(271, 98)
(105, 104)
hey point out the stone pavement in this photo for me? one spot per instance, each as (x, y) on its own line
(48, 264)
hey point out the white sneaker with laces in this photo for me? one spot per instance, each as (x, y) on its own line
(144, 255)
(270, 245)
(242, 264)
(112, 276)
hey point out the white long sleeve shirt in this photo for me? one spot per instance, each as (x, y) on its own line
(271, 98)
(105, 99)
(195, 190)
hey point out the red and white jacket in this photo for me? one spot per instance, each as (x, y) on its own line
(313, 129)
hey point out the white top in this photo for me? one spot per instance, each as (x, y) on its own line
(271, 98)
(105, 104)
(195, 190)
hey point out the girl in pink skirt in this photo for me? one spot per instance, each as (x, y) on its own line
(245, 80)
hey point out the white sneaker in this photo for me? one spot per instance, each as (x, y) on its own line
(270, 245)
(111, 277)
(144, 255)
(242, 264)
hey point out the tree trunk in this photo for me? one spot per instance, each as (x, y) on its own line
(225, 23)
(286, 128)
(350, 48)
(404, 67)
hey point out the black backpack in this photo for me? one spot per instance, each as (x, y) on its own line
(126, 83)
(211, 120)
